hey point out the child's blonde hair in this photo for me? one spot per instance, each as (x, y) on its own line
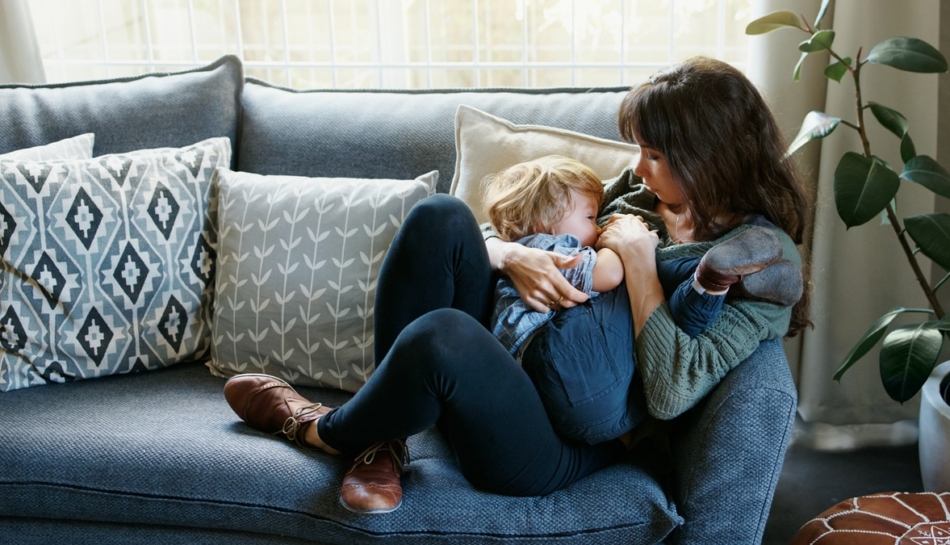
(531, 197)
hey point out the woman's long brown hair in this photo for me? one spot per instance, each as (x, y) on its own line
(724, 149)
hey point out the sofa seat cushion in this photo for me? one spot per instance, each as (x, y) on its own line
(163, 449)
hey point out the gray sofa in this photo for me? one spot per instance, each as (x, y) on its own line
(158, 457)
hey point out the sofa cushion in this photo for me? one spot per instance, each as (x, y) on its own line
(395, 134)
(107, 263)
(76, 147)
(486, 144)
(150, 111)
(296, 274)
(164, 449)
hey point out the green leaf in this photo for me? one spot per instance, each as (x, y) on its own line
(773, 21)
(908, 151)
(863, 188)
(895, 122)
(816, 125)
(821, 12)
(870, 338)
(931, 232)
(908, 356)
(819, 41)
(923, 170)
(892, 120)
(909, 55)
(838, 69)
(798, 66)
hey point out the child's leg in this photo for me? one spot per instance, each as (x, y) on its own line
(582, 363)
(692, 305)
(692, 308)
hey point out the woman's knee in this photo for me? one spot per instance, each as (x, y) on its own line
(443, 330)
(442, 339)
(438, 214)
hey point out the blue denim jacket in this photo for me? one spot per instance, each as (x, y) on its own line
(513, 322)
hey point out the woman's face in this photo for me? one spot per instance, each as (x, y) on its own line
(657, 176)
(580, 221)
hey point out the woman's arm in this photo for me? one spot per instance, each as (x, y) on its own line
(535, 274)
(635, 244)
(678, 370)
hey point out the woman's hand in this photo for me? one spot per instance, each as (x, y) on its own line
(625, 233)
(536, 275)
(633, 240)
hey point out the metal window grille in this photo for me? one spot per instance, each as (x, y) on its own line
(391, 43)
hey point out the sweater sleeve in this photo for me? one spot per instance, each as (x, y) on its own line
(678, 371)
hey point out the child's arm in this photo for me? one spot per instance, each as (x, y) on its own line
(608, 270)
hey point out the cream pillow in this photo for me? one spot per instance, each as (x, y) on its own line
(485, 144)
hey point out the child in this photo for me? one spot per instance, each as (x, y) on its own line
(552, 204)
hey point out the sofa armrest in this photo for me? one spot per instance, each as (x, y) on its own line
(728, 451)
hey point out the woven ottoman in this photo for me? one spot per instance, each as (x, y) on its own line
(895, 518)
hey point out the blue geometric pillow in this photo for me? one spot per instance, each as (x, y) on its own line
(107, 263)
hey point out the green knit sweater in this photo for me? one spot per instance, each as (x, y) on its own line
(678, 371)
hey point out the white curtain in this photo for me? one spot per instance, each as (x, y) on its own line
(859, 274)
(20, 60)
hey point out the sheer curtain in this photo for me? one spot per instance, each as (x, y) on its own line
(860, 274)
(20, 60)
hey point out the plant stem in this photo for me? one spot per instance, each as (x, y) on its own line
(921, 279)
(891, 216)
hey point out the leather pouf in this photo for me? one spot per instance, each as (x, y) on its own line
(895, 518)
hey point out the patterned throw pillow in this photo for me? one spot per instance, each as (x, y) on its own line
(107, 263)
(77, 147)
(297, 265)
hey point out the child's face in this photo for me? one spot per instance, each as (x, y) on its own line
(658, 178)
(580, 221)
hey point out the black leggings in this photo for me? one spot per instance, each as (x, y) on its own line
(438, 364)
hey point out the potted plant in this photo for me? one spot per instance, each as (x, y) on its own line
(865, 186)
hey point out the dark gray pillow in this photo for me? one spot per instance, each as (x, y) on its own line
(143, 112)
(395, 134)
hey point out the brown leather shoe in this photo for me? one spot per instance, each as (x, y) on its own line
(780, 283)
(271, 405)
(746, 253)
(372, 485)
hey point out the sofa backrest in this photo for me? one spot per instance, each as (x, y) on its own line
(128, 114)
(395, 134)
(273, 130)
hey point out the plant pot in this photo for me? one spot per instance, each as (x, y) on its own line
(934, 442)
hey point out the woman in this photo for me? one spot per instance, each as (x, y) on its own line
(712, 165)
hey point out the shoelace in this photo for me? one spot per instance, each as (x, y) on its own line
(293, 425)
(400, 460)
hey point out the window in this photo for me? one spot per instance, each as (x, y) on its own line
(391, 43)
